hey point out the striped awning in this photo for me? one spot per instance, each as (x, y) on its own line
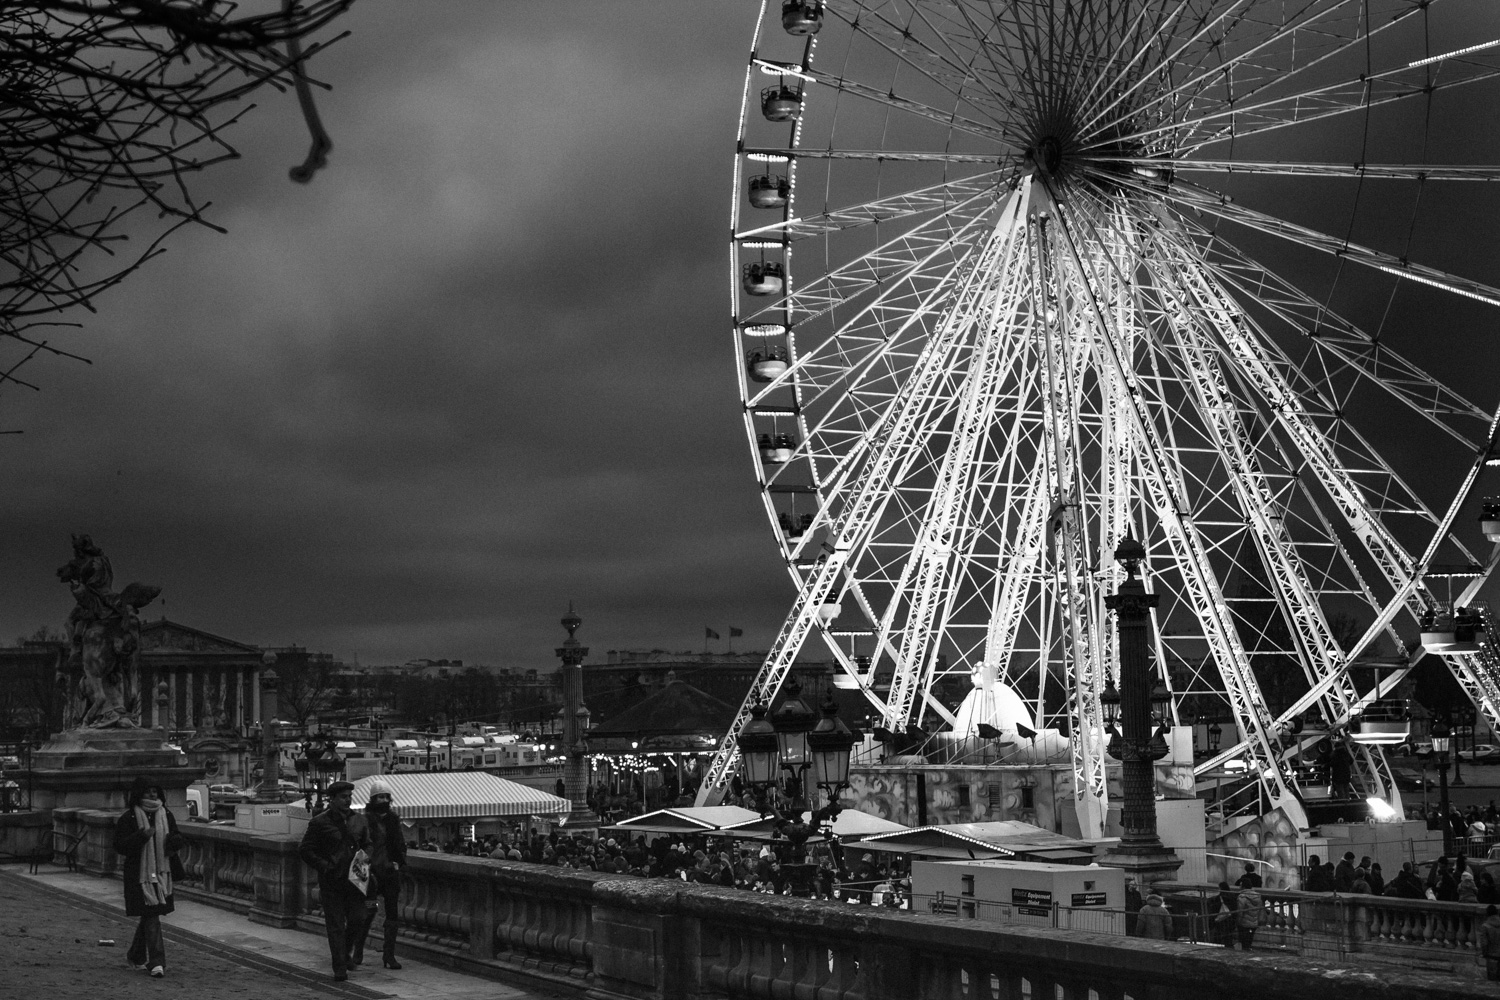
(461, 795)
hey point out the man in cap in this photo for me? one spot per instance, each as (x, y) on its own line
(332, 839)
(387, 858)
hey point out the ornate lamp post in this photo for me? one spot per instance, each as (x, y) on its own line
(318, 762)
(1136, 718)
(799, 744)
(1442, 738)
(575, 726)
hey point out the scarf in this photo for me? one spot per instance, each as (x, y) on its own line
(156, 874)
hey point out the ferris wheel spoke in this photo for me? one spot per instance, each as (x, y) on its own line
(1239, 121)
(945, 70)
(1251, 55)
(951, 198)
(1356, 504)
(1328, 333)
(1213, 204)
(1190, 549)
(1283, 168)
(1197, 305)
(779, 154)
(890, 99)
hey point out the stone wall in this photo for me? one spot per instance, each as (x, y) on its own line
(652, 939)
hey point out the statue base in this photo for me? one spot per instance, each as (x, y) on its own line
(583, 820)
(1145, 863)
(94, 769)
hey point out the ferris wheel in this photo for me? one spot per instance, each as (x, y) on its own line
(1013, 280)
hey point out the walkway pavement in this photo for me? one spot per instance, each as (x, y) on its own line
(51, 925)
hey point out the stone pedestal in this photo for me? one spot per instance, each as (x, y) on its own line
(94, 769)
(1145, 865)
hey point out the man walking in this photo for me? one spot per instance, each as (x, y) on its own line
(332, 840)
(387, 857)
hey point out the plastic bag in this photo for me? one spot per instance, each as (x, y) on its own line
(359, 872)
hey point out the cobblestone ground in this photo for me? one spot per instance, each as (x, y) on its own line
(49, 950)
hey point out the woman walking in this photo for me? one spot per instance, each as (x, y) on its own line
(146, 835)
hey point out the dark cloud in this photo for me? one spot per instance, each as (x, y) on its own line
(475, 370)
(480, 366)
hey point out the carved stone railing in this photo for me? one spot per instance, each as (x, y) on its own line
(1415, 925)
(1327, 925)
(621, 938)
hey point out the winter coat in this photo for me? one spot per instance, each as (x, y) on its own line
(1319, 879)
(390, 849)
(129, 839)
(329, 844)
(1154, 921)
(1446, 888)
(1343, 876)
(1489, 937)
(1405, 886)
(1249, 912)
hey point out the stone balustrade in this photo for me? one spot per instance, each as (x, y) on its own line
(617, 937)
(649, 939)
(1336, 925)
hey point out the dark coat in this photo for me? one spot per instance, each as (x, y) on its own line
(129, 839)
(329, 844)
(385, 827)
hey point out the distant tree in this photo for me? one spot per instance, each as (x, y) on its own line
(305, 687)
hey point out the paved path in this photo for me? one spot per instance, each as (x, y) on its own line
(51, 925)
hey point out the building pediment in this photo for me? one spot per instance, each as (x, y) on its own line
(168, 636)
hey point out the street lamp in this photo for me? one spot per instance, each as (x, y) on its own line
(1141, 708)
(795, 741)
(319, 760)
(793, 722)
(1441, 739)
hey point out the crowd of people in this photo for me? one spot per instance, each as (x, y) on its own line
(707, 860)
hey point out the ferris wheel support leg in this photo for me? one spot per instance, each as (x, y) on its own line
(1205, 594)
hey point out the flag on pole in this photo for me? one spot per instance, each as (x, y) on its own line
(709, 633)
(735, 632)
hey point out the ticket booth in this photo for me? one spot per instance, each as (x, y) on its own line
(1082, 897)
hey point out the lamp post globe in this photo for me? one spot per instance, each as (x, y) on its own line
(793, 721)
(830, 745)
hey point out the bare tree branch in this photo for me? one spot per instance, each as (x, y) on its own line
(106, 108)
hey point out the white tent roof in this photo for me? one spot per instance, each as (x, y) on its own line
(687, 819)
(850, 823)
(461, 795)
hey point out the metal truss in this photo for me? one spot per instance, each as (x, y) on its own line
(1033, 301)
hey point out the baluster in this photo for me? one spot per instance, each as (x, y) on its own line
(738, 978)
(765, 965)
(787, 977)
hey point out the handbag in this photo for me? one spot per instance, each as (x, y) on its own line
(179, 870)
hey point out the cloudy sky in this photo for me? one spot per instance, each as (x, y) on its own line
(477, 369)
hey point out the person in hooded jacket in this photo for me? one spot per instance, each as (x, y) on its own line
(1249, 917)
(1154, 920)
(146, 835)
(387, 858)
